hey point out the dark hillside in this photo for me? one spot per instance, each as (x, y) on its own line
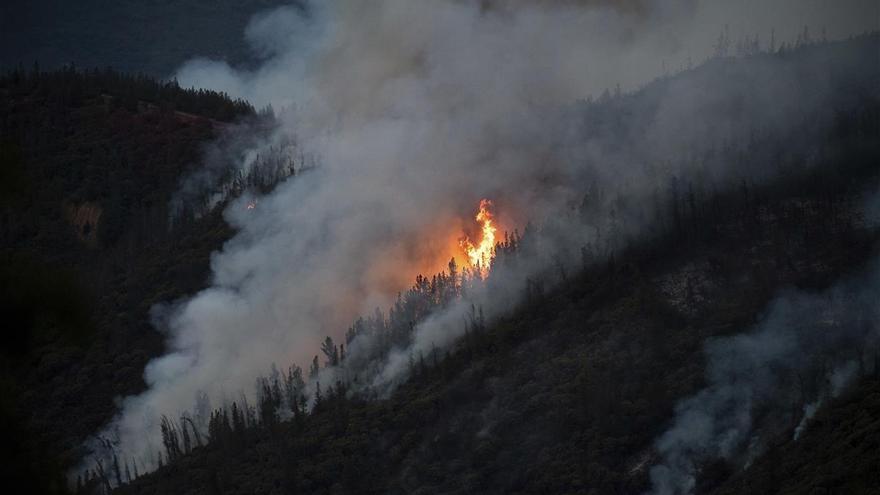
(566, 395)
(839, 455)
(569, 392)
(89, 164)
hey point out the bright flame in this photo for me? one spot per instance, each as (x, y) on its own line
(251, 205)
(480, 255)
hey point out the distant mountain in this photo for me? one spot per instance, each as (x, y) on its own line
(154, 37)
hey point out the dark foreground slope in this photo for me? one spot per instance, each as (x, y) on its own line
(568, 393)
(88, 165)
(838, 455)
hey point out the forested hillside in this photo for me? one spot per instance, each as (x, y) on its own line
(440, 247)
(90, 162)
(570, 391)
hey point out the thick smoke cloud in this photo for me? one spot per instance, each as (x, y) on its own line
(583, 46)
(417, 110)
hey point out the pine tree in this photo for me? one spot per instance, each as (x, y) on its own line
(318, 397)
(314, 369)
(331, 352)
(170, 438)
(117, 472)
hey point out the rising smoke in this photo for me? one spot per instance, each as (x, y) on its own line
(417, 110)
(772, 379)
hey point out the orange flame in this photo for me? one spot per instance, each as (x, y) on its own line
(480, 255)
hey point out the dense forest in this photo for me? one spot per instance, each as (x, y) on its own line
(90, 162)
(557, 375)
(567, 392)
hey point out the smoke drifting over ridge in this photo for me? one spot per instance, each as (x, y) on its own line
(576, 47)
(417, 110)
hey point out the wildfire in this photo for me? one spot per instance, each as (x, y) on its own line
(251, 205)
(480, 255)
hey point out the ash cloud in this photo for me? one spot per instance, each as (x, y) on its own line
(417, 110)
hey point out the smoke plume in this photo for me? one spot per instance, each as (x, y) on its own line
(762, 382)
(418, 109)
(807, 348)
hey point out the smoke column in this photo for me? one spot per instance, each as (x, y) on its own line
(417, 110)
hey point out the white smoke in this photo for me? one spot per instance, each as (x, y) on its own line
(417, 110)
(807, 348)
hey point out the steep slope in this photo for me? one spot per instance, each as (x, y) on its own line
(565, 395)
(89, 165)
(569, 392)
(838, 454)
